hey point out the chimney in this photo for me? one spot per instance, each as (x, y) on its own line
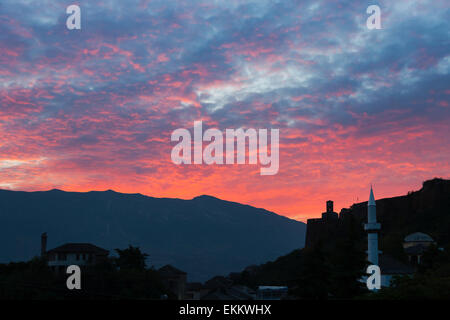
(330, 206)
(43, 244)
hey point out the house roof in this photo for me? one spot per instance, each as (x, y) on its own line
(79, 248)
(272, 288)
(389, 265)
(418, 236)
(218, 282)
(170, 270)
(230, 293)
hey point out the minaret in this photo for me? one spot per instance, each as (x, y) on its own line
(372, 228)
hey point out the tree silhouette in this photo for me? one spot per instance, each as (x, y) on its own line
(349, 262)
(314, 282)
(131, 259)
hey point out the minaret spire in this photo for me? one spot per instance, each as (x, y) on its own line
(371, 197)
(372, 228)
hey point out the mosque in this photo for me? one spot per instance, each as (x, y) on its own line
(330, 224)
(414, 246)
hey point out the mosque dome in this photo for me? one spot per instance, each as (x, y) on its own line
(418, 237)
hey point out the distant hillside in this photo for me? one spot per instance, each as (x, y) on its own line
(204, 236)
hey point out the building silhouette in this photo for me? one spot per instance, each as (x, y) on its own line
(83, 255)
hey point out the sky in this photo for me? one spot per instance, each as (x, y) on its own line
(94, 109)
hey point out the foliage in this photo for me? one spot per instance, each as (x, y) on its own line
(131, 259)
(432, 281)
(315, 279)
(122, 278)
(348, 262)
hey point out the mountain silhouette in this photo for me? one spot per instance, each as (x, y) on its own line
(204, 236)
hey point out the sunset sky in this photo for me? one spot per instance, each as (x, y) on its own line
(94, 109)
